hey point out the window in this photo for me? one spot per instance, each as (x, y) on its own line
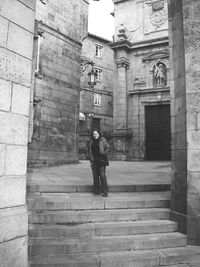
(99, 74)
(97, 100)
(98, 51)
(37, 69)
(38, 38)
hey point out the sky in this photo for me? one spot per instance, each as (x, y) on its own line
(100, 22)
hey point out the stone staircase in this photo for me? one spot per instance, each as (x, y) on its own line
(69, 227)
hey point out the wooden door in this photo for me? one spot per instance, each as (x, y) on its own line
(96, 123)
(158, 132)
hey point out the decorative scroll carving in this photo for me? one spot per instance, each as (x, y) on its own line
(156, 55)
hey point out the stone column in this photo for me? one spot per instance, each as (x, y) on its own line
(184, 22)
(120, 107)
(16, 42)
(121, 136)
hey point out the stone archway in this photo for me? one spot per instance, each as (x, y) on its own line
(184, 21)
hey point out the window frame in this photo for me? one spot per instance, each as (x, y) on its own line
(97, 100)
(99, 74)
(98, 51)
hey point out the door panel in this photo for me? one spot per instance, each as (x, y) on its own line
(158, 133)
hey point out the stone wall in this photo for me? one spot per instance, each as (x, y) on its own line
(16, 43)
(185, 61)
(62, 26)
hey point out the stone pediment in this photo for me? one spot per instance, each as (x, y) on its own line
(156, 55)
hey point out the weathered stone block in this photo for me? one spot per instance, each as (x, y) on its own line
(193, 207)
(5, 95)
(180, 122)
(179, 140)
(20, 41)
(3, 31)
(20, 99)
(179, 201)
(13, 128)
(12, 191)
(16, 160)
(180, 158)
(23, 17)
(2, 157)
(193, 140)
(14, 67)
(193, 181)
(192, 121)
(14, 253)
(193, 160)
(13, 223)
(193, 230)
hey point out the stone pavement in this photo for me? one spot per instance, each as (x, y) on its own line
(119, 172)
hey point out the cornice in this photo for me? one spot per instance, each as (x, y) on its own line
(128, 46)
(149, 91)
(119, 1)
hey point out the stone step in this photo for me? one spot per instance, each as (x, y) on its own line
(67, 188)
(173, 257)
(106, 244)
(82, 201)
(102, 229)
(85, 216)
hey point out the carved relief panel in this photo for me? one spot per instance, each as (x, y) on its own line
(155, 16)
(151, 70)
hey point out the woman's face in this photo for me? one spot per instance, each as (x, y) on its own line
(95, 135)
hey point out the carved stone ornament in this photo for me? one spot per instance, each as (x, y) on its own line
(122, 33)
(139, 81)
(156, 55)
(158, 18)
(155, 16)
(157, 6)
(122, 62)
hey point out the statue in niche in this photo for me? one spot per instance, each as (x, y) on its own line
(159, 74)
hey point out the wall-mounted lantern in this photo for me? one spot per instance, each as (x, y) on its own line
(92, 76)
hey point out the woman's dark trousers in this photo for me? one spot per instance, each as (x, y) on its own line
(99, 177)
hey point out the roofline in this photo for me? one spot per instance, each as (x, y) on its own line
(98, 38)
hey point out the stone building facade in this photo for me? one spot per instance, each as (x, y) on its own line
(96, 104)
(53, 132)
(17, 19)
(141, 128)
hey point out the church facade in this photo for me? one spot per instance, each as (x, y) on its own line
(141, 95)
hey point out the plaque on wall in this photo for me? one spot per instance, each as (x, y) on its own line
(155, 16)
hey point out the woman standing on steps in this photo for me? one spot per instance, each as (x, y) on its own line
(97, 150)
